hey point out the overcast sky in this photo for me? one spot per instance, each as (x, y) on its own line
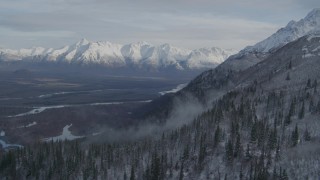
(183, 23)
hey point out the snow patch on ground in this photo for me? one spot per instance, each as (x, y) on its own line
(316, 49)
(32, 124)
(305, 49)
(29, 125)
(2, 133)
(312, 36)
(178, 88)
(38, 110)
(308, 55)
(4, 145)
(66, 135)
(97, 133)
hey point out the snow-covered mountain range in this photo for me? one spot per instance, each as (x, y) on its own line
(138, 55)
(142, 55)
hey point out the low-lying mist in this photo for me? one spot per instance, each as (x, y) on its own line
(183, 112)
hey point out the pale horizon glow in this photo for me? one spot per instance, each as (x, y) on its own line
(187, 24)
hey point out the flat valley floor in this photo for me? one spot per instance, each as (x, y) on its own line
(35, 106)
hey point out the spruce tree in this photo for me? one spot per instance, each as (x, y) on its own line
(301, 113)
(315, 84)
(229, 151)
(217, 136)
(295, 136)
(186, 152)
(290, 65)
(277, 158)
(202, 152)
(272, 141)
(248, 155)
(254, 132)
(307, 136)
(311, 106)
(309, 83)
(288, 77)
(237, 148)
(181, 171)
(155, 167)
(124, 175)
(318, 107)
(241, 174)
(132, 174)
(274, 174)
(284, 175)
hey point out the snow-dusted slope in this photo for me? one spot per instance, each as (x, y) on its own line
(11, 54)
(294, 30)
(251, 55)
(210, 85)
(203, 57)
(219, 80)
(138, 55)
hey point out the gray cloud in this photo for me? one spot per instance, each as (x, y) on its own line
(186, 23)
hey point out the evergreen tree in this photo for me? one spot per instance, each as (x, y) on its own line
(307, 136)
(229, 151)
(295, 136)
(132, 174)
(181, 171)
(301, 113)
(308, 83)
(269, 159)
(202, 152)
(248, 155)
(217, 136)
(237, 148)
(155, 167)
(318, 107)
(186, 152)
(291, 112)
(311, 106)
(288, 120)
(272, 141)
(147, 174)
(284, 175)
(288, 77)
(275, 175)
(290, 65)
(278, 152)
(241, 174)
(315, 84)
(124, 175)
(254, 132)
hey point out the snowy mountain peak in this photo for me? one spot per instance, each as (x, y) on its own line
(315, 13)
(165, 45)
(82, 42)
(291, 23)
(142, 43)
(294, 30)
